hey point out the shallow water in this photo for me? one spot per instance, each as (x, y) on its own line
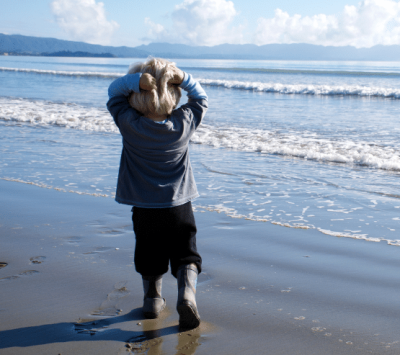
(326, 160)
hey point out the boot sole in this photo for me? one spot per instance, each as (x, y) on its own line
(188, 316)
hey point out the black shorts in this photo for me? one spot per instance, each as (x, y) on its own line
(163, 236)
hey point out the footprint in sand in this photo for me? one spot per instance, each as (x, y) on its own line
(74, 240)
(91, 327)
(143, 345)
(113, 232)
(109, 308)
(37, 259)
(2, 264)
(24, 273)
(99, 250)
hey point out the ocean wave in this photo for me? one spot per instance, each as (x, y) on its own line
(296, 71)
(301, 89)
(64, 73)
(232, 213)
(300, 146)
(297, 144)
(211, 69)
(61, 189)
(228, 211)
(277, 88)
(46, 113)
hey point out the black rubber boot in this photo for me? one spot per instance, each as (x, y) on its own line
(153, 303)
(189, 317)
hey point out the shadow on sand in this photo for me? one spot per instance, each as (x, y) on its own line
(148, 337)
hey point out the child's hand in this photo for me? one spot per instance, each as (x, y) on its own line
(147, 82)
(178, 77)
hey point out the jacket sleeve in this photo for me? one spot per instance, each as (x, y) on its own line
(118, 93)
(197, 104)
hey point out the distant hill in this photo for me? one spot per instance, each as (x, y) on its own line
(25, 45)
(79, 54)
(39, 45)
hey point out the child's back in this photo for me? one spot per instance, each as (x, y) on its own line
(155, 170)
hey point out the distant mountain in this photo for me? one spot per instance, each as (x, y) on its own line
(39, 45)
(78, 54)
(25, 45)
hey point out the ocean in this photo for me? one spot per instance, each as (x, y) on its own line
(300, 144)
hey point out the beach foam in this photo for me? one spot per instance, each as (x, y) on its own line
(63, 73)
(301, 71)
(300, 145)
(61, 189)
(301, 89)
(232, 213)
(56, 114)
(278, 88)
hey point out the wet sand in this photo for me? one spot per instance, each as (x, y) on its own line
(68, 285)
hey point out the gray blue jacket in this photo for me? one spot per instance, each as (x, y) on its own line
(155, 170)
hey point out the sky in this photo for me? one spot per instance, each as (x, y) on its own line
(206, 22)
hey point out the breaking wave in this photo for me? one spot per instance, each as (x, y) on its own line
(297, 144)
(302, 89)
(64, 73)
(45, 113)
(299, 89)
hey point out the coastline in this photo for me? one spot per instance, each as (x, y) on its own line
(264, 289)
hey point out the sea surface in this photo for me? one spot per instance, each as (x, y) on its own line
(301, 144)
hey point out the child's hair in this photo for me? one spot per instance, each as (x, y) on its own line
(166, 98)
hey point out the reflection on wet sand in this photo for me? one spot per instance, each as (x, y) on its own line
(150, 342)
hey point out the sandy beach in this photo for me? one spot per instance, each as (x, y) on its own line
(68, 285)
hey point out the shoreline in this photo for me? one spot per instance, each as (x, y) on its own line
(264, 289)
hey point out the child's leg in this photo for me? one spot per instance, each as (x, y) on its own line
(151, 260)
(182, 230)
(185, 264)
(151, 257)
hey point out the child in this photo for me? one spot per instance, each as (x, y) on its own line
(156, 177)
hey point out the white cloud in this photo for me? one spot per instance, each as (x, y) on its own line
(84, 20)
(199, 22)
(372, 22)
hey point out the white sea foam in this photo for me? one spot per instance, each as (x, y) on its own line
(326, 90)
(297, 145)
(49, 113)
(61, 189)
(301, 89)
(242, 139)
(63, 73)
(351, 235)
(231, 212)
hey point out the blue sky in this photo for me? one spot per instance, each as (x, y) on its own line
(206, 22)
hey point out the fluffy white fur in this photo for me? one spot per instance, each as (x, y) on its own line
(163, 100)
